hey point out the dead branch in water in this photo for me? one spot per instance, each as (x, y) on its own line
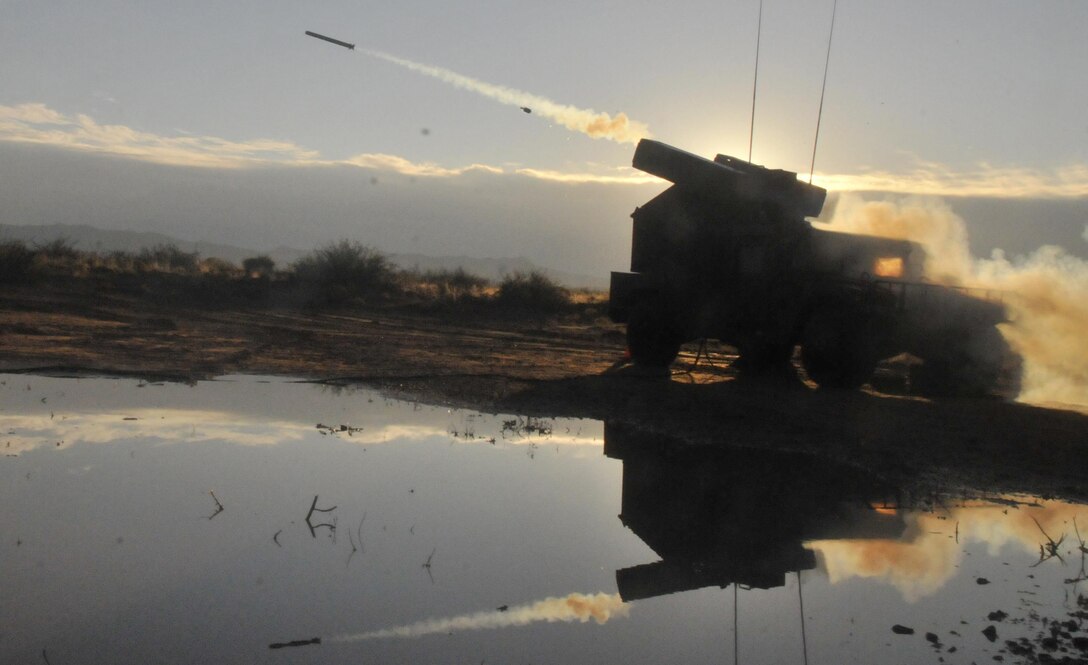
(218, 505)
(315, 527)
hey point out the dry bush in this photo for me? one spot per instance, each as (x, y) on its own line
(16, 262)
(345, 270)
(167, 258)
(534, 292)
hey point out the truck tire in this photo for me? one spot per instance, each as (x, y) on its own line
(838, 349)
(652, 337)
(974, 363)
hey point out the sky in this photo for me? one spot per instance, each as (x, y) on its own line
(223, 122)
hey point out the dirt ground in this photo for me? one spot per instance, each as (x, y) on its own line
(556, 367)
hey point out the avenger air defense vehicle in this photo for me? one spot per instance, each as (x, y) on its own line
(727, 253)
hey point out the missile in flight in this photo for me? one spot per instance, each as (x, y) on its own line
(332, 41)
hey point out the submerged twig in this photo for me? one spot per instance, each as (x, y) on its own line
(218, 505)
(1050, 549)
(427, 565)
(315, 509)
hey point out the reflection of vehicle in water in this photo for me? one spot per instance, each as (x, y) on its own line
(726, 253)
(723, 515)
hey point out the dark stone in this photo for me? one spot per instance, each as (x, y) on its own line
(902, 630)
(997, 615)
(990, 632)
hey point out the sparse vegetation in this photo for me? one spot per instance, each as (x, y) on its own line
(534, 291)
(168, 258)
(452, 286)
(337, 274)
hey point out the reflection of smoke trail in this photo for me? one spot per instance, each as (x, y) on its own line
(1047, 292)
(575, 607)
(591, 123)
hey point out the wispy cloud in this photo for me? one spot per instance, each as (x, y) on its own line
(39, 124)
(984, 180)
(383, 162)
(631, 178)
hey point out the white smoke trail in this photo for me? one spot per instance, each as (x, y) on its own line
(592, 123)
(1046, 292)
(575, 607)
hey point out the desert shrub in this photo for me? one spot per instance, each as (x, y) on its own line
(118, 261)
(533, 291)
(457, 284)
(59, 249)
(168, 258)
(259, 266)
(16, 262)
(345, 270)
(214, 265)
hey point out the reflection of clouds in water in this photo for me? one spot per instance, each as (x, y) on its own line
(927, 557)
(22, 433)
(599, 607)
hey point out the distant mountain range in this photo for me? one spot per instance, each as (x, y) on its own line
(94, 239)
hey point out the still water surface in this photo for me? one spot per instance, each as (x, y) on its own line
(448, 536)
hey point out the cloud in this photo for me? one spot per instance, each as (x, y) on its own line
(383, 162)
(934, 179)
(36, 123)
(39, 124)
(631, 178)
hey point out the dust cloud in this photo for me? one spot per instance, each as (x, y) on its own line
(599, 607)
(1046, 292)
(592, 123)
(931, 551)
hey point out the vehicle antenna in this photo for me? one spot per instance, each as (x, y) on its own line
(755, 80)
(823, 88)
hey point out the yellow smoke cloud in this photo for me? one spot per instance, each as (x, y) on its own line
(592, 123)
(599, 607)
(927, 557)
(1046, 292)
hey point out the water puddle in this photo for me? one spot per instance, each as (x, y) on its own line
(250, 520)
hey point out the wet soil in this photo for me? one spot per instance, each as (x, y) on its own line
(558, 366)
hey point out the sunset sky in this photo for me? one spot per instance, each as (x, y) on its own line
(224, 122)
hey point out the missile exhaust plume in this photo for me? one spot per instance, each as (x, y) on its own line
(575, 607)
(592, 123)
(1046, 292)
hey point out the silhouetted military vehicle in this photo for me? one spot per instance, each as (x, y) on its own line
(726, 253)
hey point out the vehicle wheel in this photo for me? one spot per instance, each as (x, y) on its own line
(838, 349)
(975, 363)
(652, 338)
